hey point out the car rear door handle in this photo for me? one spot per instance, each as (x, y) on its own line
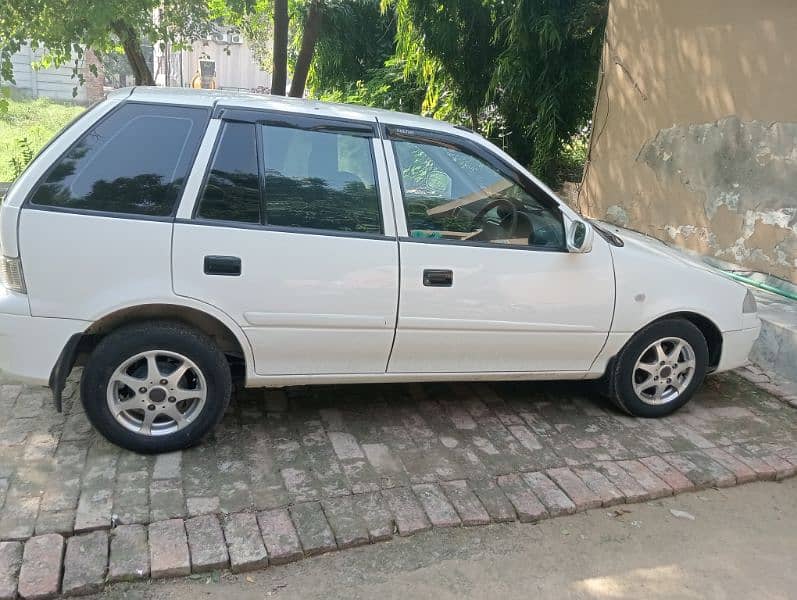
(438, 277)
(223, 265)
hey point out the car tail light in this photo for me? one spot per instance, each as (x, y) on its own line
(11, 274)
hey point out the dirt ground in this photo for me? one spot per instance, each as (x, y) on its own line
(742, 543)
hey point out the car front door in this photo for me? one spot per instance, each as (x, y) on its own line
(487, 284)
(287, 236)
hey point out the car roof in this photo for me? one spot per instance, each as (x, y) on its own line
(231, 98)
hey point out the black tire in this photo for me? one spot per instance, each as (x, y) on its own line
(127, 342)
(620, 377)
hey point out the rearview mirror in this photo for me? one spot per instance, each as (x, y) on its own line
(579, 237)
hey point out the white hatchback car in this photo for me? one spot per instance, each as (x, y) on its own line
(178, 242)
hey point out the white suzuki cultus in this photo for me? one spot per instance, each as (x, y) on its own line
(177, 243)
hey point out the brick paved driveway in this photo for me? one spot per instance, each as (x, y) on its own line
(354, 464)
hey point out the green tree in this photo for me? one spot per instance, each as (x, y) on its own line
(545, 74)
(65, 28)
(524, 70)
(282, 32)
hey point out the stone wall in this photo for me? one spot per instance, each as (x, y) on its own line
(695, 137)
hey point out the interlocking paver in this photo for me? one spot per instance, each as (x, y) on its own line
(527, 506)
(630, 488)
(168, 466)
(129, 554)
(10, 561)
(390, 459)
(59, 521)
(742, 472)
(85, 563)
(377, 518)
(346, 523)
(667, 473)
(244, 543)
(407, 512)
(279, 535)
(761, 468)
(166, 500)
(42, 559)
(700, 469)
(206, 544)
(606, 491)
(581, 495)
(466, 503)
(313, 529)
(554, 499)
(168, 549)
(654, 486)
(436, 505)
(493, 500)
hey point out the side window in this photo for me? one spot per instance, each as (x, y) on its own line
(320, 180)
(451, 194)
(134, 161)
(232, 191)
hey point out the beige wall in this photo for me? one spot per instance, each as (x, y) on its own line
(695, 137)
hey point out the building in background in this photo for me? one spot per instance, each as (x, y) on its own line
(695, 129)
(56, 83)
(225, 51)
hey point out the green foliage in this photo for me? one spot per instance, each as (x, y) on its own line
(545, 74)
(355, 42)
(522, 73)
(35, 121)
(65, 28)
(24, 154)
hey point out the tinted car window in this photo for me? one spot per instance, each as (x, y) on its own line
(133, 161)
(451, 194)
(320, 180)
(232, 192)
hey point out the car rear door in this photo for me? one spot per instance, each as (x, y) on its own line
(292, 235)
(487, 284)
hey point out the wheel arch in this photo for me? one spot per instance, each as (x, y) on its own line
(711, 333)
(230, 342)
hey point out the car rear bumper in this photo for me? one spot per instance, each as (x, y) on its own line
(736, 346)
(30, 346)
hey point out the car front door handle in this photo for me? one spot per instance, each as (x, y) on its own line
(223, 265)
(438, 277)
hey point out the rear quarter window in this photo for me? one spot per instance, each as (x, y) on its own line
(134, 161)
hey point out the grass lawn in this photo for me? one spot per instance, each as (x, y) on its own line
(35, 120)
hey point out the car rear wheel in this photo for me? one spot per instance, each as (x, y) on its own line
(659, 369)
(155, 387)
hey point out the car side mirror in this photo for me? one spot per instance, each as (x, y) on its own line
(579, 237)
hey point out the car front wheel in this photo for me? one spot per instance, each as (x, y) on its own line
(155, 387)
(659, 369)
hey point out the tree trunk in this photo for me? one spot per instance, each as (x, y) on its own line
(309, 37)
(474, 120)
(279, 79)
(131, 43)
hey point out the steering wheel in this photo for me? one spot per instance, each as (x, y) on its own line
(477, 220)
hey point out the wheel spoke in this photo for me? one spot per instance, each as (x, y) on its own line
(649, 368)
(146, 424)
(174, 377)
(644, 385)
(174, 413)
(675, 353)
(119, 406)
(153, 372)
(134, 383)
(182, 394)
(687, 364)
(661, 355)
